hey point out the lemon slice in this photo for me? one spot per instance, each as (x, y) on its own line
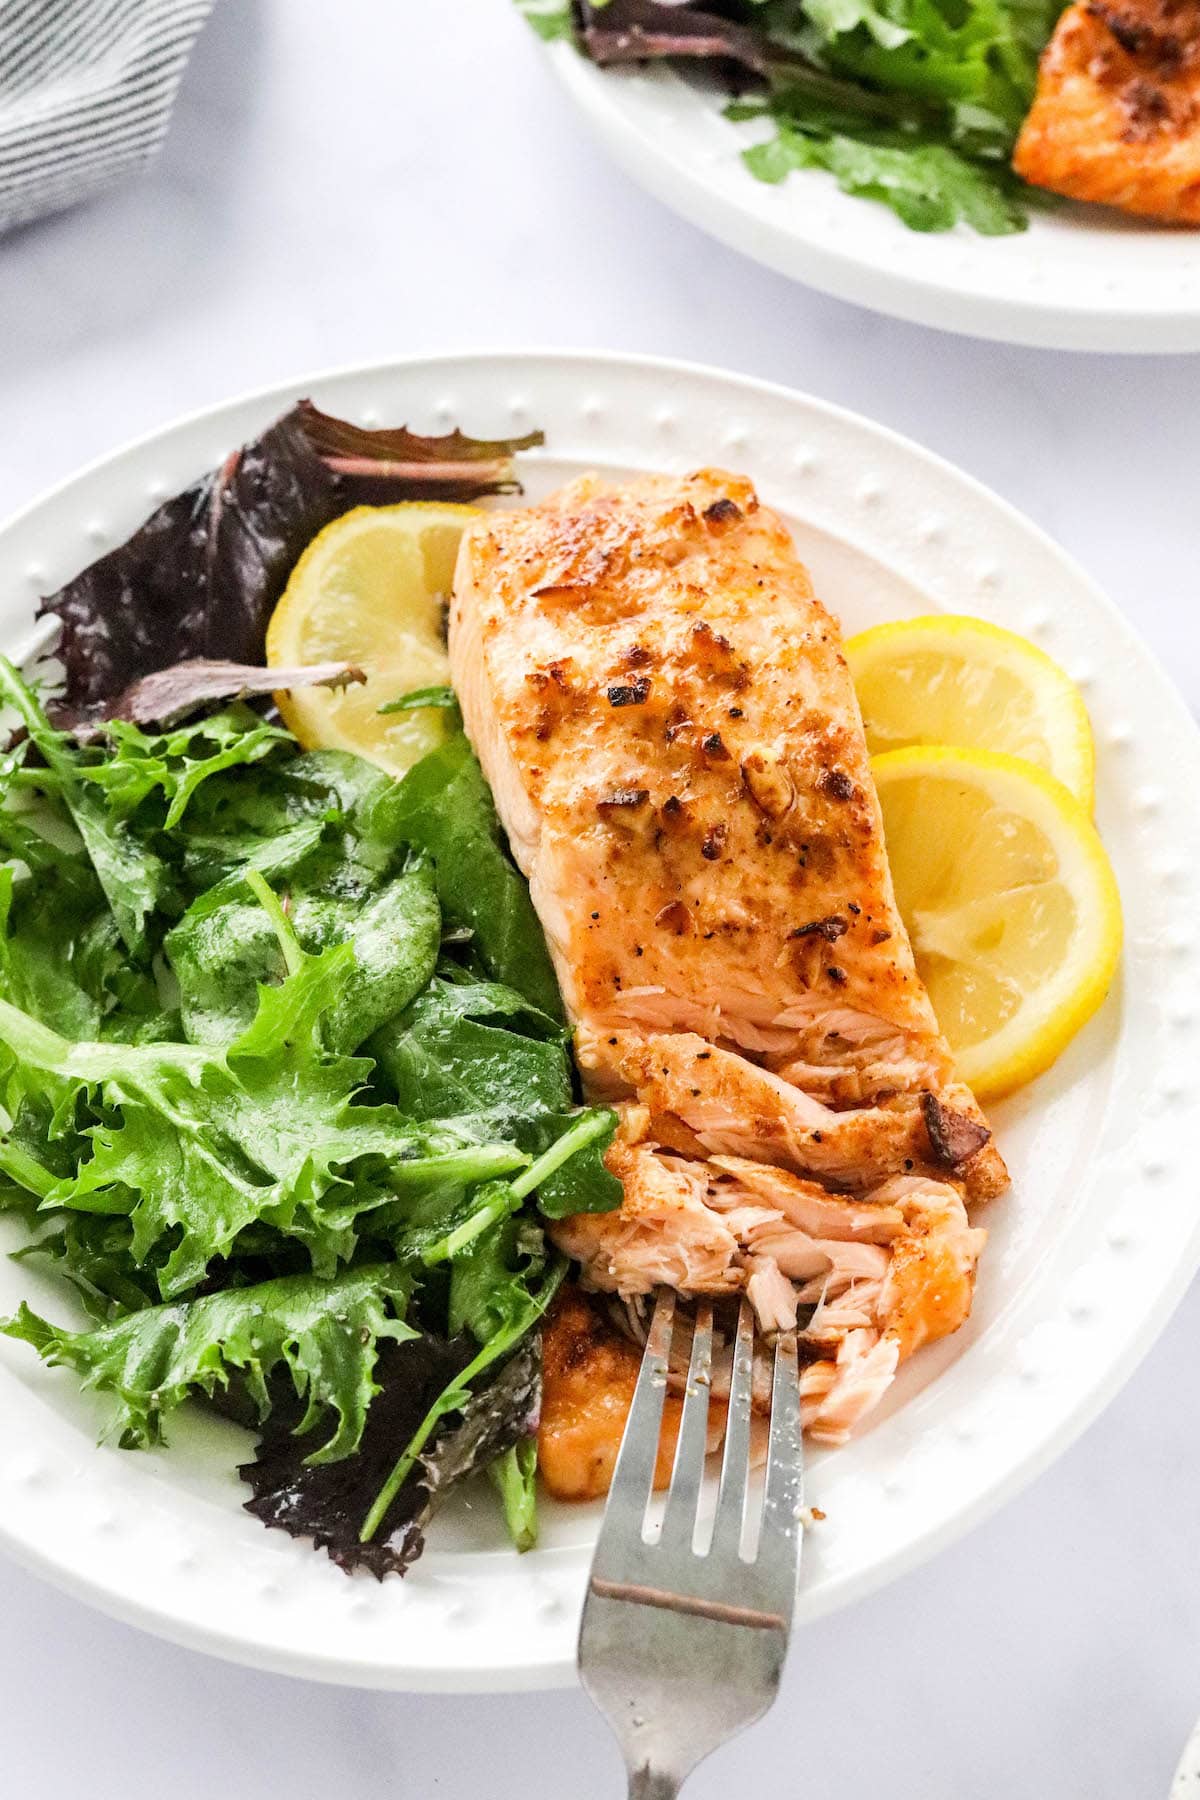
(947, 680)
(1009, 900)
(371, 590)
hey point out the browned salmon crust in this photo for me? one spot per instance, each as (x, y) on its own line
(663, 711)
(1116, 117)
(589, 1372)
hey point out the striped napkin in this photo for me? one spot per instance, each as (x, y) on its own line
(86, 89)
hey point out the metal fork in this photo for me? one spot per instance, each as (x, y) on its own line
(682, 1647)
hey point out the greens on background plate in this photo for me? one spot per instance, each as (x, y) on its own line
(914, 103)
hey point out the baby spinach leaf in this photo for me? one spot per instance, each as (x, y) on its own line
(580, 1182)
(221, 953)
(443, 805)
(472, 1047)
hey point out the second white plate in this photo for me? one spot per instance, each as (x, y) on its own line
(1080, 278)
(1090, 1251)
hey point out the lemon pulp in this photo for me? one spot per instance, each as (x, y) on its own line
(371, 589)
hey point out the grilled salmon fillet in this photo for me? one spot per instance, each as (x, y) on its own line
(1116, 116)
(662, 709)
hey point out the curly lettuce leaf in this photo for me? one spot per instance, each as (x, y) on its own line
(973, 60)
(94, 1255)
(928, 185)
(196, 1145)
(325, 1333)
(134, 878)
(169, 767)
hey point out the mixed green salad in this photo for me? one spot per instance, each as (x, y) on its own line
(284, 1073)
(914, 103)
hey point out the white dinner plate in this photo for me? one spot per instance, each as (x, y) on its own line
(1090, 1250)
(1186, 1785)
(1080, 278)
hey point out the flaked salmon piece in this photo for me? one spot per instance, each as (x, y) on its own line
(898, 1265)
(813, 1209)
(664, 714)
(1116, 116)
(731, 1106)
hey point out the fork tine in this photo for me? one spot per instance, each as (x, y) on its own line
(691, 1445)
(680, 1650)
(735, 1464)
(785, 1459)
(633, 1475)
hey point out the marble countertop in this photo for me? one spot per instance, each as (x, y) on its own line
(347, 184)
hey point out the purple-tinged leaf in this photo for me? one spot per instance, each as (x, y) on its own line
(167, 696)
(200, 578)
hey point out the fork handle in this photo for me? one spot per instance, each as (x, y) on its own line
(647, 1784)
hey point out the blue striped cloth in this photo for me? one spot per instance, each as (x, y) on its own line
(86, 89)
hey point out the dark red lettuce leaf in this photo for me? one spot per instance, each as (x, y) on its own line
(200, 577)
(329, 1502)
(648, 30)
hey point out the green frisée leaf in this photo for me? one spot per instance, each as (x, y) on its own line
(134, 878)
(197, 1145)
(929, 185)
(95, 1255)
(172, 765)
(514, 1476)
(975, 59)
(326, 1333)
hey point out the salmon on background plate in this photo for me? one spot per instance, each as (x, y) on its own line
(664, 714)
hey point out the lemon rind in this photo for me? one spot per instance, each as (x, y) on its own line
(1041, 1030)
(1076, 767)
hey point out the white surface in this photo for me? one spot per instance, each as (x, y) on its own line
(1080, 278)
(1077, 1279)
(317, 201)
